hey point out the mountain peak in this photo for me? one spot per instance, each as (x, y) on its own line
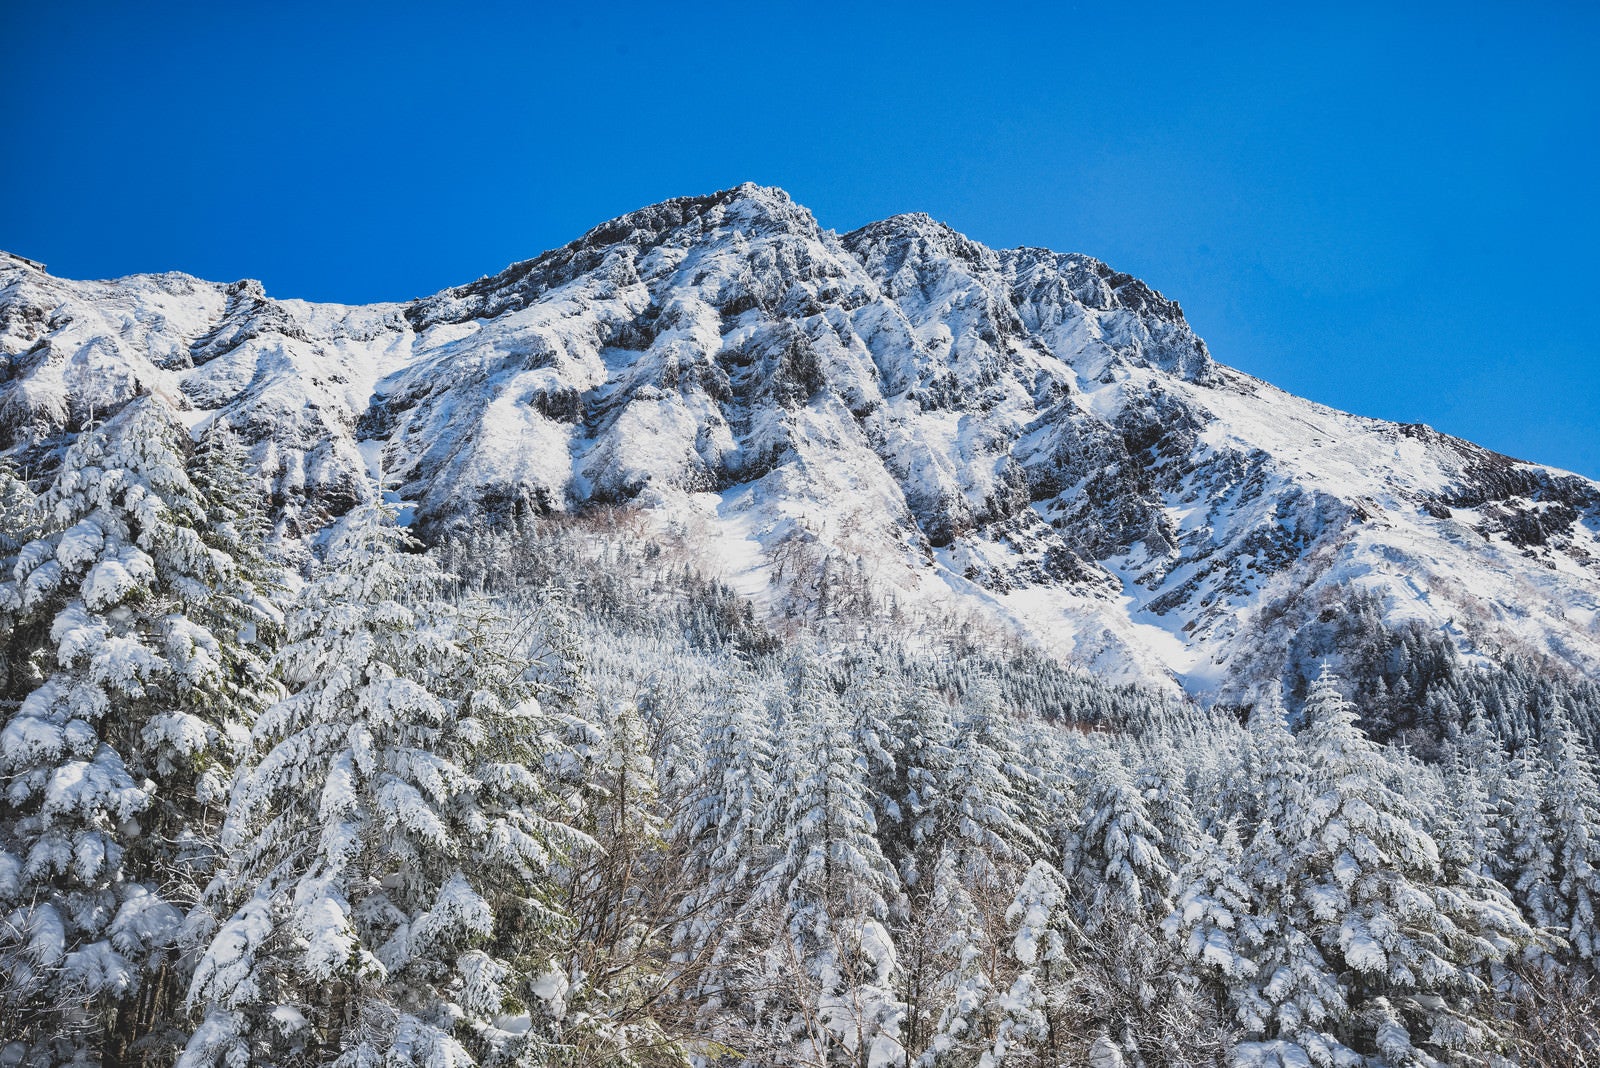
(747, 208)
(920, 231)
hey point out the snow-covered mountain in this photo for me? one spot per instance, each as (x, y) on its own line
(1025, 436)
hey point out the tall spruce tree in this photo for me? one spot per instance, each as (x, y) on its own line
(830, 889)
(388, 895)
(132, 677)
(1409, 946)
(1574, 807)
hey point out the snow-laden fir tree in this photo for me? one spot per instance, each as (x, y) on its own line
(1215, 923)
(968, 802)
(1472, 836)
(983, 808)
(1129, 983)
(1410, 946)
(869, 706)
(1114, 859)
(951, 967)
(1024, 1029)
(1574, 808)
(723, 834)
(1529, 857)
(1161, 781)
(19, 510)
(828, 894)
(388, 897)
(925, 735)
(128, 630)
(1468, 825)
(1274, 768)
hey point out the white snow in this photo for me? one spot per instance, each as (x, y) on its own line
(638, 382)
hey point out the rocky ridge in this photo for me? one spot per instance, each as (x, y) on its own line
(1026, 434)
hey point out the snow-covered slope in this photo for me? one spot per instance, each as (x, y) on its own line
(1022, 436)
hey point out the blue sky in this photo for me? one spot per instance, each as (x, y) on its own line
(1388, 208)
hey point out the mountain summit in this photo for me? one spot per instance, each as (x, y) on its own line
(1022, 436)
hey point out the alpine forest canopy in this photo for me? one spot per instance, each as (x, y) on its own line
(721, 643)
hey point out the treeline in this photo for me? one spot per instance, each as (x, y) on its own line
(562, 801)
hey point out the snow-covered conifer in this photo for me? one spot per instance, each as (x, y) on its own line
(128, 636)
(1214, 922)
(723, 826)
(1115, 859)
(982, 812)
(1574, 807)
(925, 735)
(1161, 781)
(1022, 1011)
(1410, 945)
(1531, 861)
(390, 842)
(830, 887)
(952, 985)
(869, 707)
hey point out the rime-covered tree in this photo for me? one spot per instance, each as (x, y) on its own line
(1023, 1020)
(1409, 945)
(619, 900)
(1161, 781)
(869, 706)
(829, 890)
(1530, 860)
(1574, 807)
(723, 832)
(388, 894)
(1115, 859)
(953, 968)
(129, 634)
(1215, 923)
(926, 760)
(19, 510)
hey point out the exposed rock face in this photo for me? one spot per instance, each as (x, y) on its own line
(1026, 433)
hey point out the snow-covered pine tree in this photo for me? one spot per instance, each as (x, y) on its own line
(1411, 945)
(19, 524)
(969, 805)
(949, 957)
(1530, 858)
(1468, 827)
(1129, 983)
(243, 606)
(869, 707)
(925, 734)
(1574, 807)
(723, 834)
(1053, 761)
(1476, 781)
(1024, 1026)
(1274, 766)
(132, 677)
(1161, 781)
(1115, 859)
(1215, 924)
(19, 510)
(829, 891)
(980, 811)
(388, 894)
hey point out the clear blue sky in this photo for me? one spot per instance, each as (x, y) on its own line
(1388, 208)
